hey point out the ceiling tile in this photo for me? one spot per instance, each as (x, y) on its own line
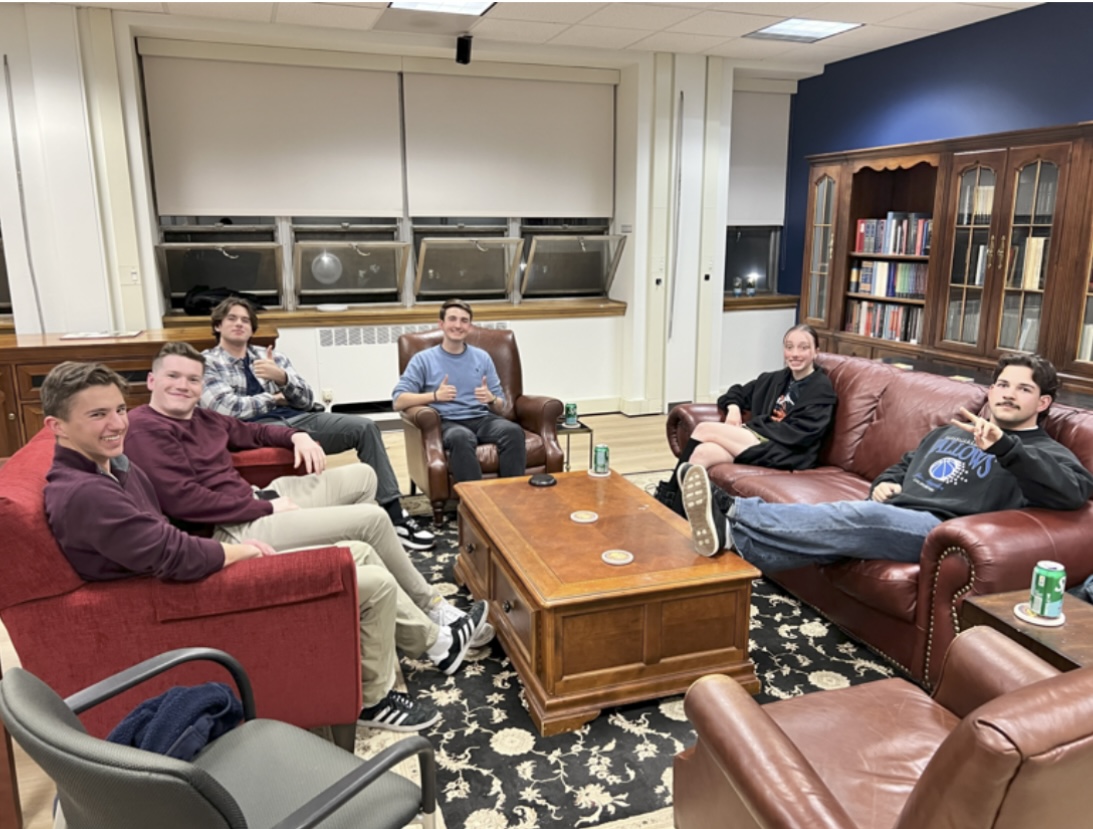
(543, 12)
(155, 8)
(262, 12)
(648, 16)
(861, 12)
(940, 17)
(783, 9)
(751, 49)
(870, 38)
(517, 31)
(676, 42)
(724, 24)
(332, 15)
(599, 37)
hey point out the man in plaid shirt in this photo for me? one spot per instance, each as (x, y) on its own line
(255, 384)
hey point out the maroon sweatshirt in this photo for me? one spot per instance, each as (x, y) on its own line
(189, 463)
(112, 527)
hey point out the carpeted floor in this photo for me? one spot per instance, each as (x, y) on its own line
(496, 772)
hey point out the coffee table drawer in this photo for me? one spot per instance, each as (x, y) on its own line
(516, 612)
(474, 557)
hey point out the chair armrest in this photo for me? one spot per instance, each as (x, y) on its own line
(539, 413)
(992, 552)
(682, 420)
(779, 787)
(422, 417)
(320, 807)
(261, 466)
(143, 671)
(982, 664)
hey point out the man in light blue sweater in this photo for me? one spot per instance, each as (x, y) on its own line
(461, 383)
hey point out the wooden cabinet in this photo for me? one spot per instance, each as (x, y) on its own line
(1007, 264)
(25, 360)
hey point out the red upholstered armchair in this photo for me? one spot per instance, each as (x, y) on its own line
(292, 620)
(538, 415)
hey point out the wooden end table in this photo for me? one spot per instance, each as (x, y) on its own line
(1067, 647)
(581, 633)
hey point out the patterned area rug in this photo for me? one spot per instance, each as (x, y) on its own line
(496, 772)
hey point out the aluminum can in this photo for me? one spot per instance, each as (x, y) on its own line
(601, 459)
(570, 414)
(1048, 586)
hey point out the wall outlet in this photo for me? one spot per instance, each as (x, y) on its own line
(328, 396)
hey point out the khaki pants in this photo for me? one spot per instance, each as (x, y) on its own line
(336, 507)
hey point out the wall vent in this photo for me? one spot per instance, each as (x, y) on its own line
(365, 335)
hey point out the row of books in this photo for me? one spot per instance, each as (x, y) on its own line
(1025, 273)
(906, 280)
(897, 233)
(1018, 333)
(901, 323)
(966, 312)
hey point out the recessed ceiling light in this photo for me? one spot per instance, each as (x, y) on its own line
(799, 30)
(445, 6)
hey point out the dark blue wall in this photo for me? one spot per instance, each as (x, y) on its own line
(1032, 68)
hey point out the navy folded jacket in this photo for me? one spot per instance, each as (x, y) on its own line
(180, 722)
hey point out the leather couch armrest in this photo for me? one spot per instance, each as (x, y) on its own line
(775, 782)
(539, 414)
(422, 417)
(982, 664)
(682, 420)
(992, 552)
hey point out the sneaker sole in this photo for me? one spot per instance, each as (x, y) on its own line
(483, 636)
(410, 544)
(697, 501)
(404, 729)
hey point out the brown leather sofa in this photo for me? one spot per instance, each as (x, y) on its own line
(538, 415)
(909, 612)
(1005, 741)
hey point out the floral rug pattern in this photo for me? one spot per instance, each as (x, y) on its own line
(496, 772)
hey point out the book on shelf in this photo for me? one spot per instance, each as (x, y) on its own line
(897, 233)
(1007, 333)
(855, 279)
(1034, 255)
(1030, 333)
(982, 260)
(1085, 346)
(983, 203)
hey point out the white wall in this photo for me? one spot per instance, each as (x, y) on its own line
(751, 343)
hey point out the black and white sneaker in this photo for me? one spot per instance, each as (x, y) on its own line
(399, 712)
(706, 518)
(412, 535)
(444, 613)
(461, 632)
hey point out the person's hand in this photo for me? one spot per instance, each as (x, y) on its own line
(483, 394)
(986, 434)
(733, 416)
(885, 490)
(267, 369)
(446, 392)
(239, 552)
(279, 399)
(308, 453)
(263, 548)
(283, 505)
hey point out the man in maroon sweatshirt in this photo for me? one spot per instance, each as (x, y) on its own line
(106, 518)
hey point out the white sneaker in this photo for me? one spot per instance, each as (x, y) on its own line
(444, 613)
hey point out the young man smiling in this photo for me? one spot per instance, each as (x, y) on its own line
(186, 452)
(260, 385)
(461, 383)
(107, 520)
(971, 466)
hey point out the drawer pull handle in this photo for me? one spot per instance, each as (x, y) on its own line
(470, 547)
(506, 606)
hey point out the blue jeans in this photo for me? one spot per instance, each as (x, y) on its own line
(777, 537)
(461, 438)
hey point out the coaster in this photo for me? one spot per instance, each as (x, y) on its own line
(585, 516)
(1022, 612)
(567, 426)
(592, 474)
(617, 557)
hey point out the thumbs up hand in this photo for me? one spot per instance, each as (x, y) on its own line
(483, 394)
(266, 368)
(445, 392)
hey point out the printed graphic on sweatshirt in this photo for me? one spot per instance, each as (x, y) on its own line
(950, 462)
(784, 402)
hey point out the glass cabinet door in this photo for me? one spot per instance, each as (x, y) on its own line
(1027, 253)
(821, 246)
(973, 249)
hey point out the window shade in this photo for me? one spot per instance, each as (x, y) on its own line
(233, 138)
(498, 147)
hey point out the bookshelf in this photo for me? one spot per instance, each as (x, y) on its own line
(956, 251)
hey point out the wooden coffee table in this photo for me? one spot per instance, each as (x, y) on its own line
(584, 634)
(1066, 647)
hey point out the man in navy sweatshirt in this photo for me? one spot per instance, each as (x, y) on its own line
(461, 383)
(106, 518)
(971, 466)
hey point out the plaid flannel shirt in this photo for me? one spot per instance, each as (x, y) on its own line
(226, 385)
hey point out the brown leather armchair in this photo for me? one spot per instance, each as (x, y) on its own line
(538, 416)
(1005, 741)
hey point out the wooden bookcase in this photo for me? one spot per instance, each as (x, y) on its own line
(1009, 265)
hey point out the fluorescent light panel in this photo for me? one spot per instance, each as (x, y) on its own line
(452, 7)
(800, 30)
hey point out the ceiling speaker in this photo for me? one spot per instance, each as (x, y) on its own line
(463, 49)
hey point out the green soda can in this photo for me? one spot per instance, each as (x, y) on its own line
(571, 414)
(601, 460)
(1048, 586)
